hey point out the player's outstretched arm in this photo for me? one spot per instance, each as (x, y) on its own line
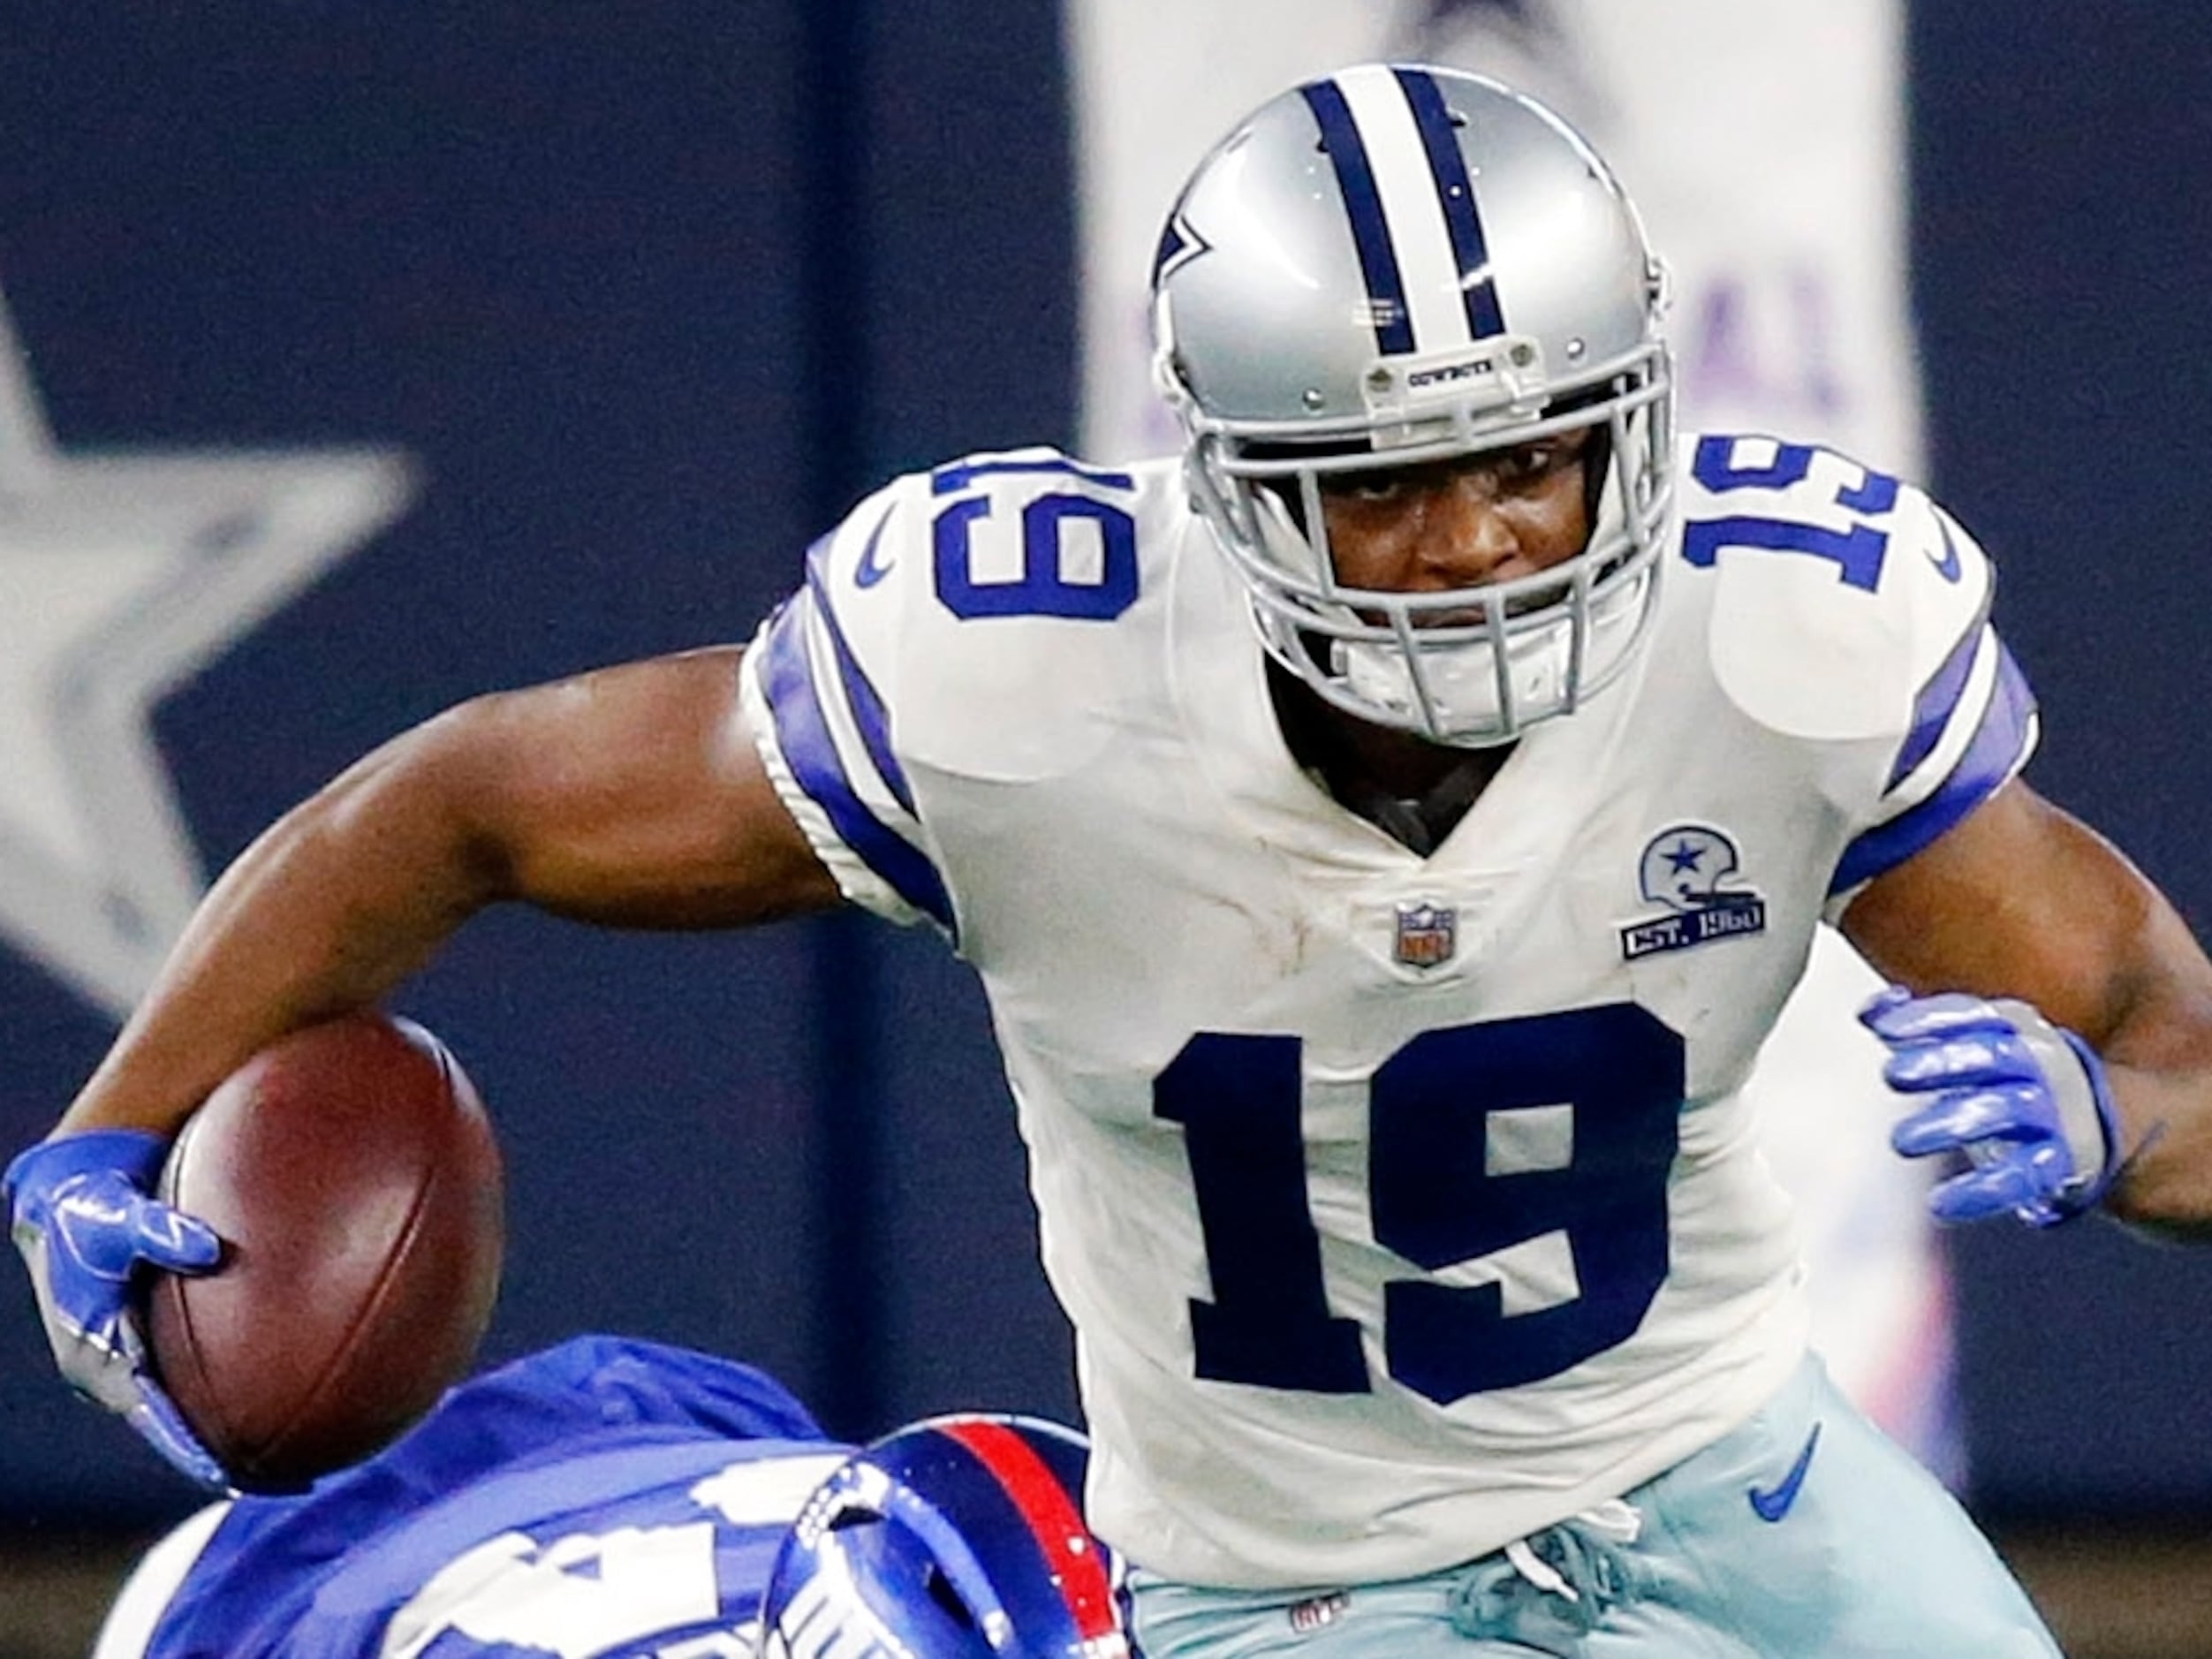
(2021, 904)
(632, 796)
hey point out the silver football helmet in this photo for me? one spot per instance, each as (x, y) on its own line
(1392, 266)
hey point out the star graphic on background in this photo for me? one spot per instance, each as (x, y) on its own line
(122, 575)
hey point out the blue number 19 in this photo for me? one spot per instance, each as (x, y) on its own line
(1857, 553)
(1606, 1084)
(1043, 588)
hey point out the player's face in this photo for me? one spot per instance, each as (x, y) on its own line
(1462, 522)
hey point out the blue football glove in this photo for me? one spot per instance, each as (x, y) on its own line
(80, 1212)
(2026, 1101)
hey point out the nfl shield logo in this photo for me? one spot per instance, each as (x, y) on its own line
(1427, 935)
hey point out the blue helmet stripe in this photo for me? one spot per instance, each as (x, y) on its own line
(1455, 193)
(1999, 748)
(802, 732)
(1370, 228)
(962, 1487)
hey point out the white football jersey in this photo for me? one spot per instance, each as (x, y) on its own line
(1402, 1205)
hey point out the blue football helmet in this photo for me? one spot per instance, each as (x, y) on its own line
(1392, 266)
(960, 1537)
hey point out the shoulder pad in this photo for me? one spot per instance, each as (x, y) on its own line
(1837, 594)
(981, 621)
(1013, 583)
(1018, 536)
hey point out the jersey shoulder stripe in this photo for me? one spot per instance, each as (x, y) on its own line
(1996, 746)
(867, 703)
(824, 731)
(801, 701)
(1937, 702)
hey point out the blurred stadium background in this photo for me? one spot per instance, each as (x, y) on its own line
(644, 296)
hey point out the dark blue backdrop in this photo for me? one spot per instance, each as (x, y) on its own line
(652, 292)
(649, 318)
(2062, 253)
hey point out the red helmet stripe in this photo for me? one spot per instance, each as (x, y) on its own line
(1076, 1562)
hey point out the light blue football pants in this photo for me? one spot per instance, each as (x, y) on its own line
(1869, 1556)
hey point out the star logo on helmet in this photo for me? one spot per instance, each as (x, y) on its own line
(1179, 245)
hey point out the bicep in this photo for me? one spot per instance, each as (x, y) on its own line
(2021, 899)
(634, 796)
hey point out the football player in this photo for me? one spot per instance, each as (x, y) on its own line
(1385, 834)
(627, 1500)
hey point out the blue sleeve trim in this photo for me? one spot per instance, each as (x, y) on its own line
(803, 732)
(868, 712)
(2007, 729)
(1932, 709)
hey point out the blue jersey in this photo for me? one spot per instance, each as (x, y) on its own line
(604, 1499)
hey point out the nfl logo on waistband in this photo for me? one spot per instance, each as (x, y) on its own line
(1427, 935)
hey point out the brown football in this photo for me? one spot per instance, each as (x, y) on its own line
(352, 1173)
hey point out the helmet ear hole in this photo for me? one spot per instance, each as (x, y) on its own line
(955, 1538)
(941, 1591)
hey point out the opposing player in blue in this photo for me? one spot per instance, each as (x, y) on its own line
(615, 1499)
(1385, 833)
